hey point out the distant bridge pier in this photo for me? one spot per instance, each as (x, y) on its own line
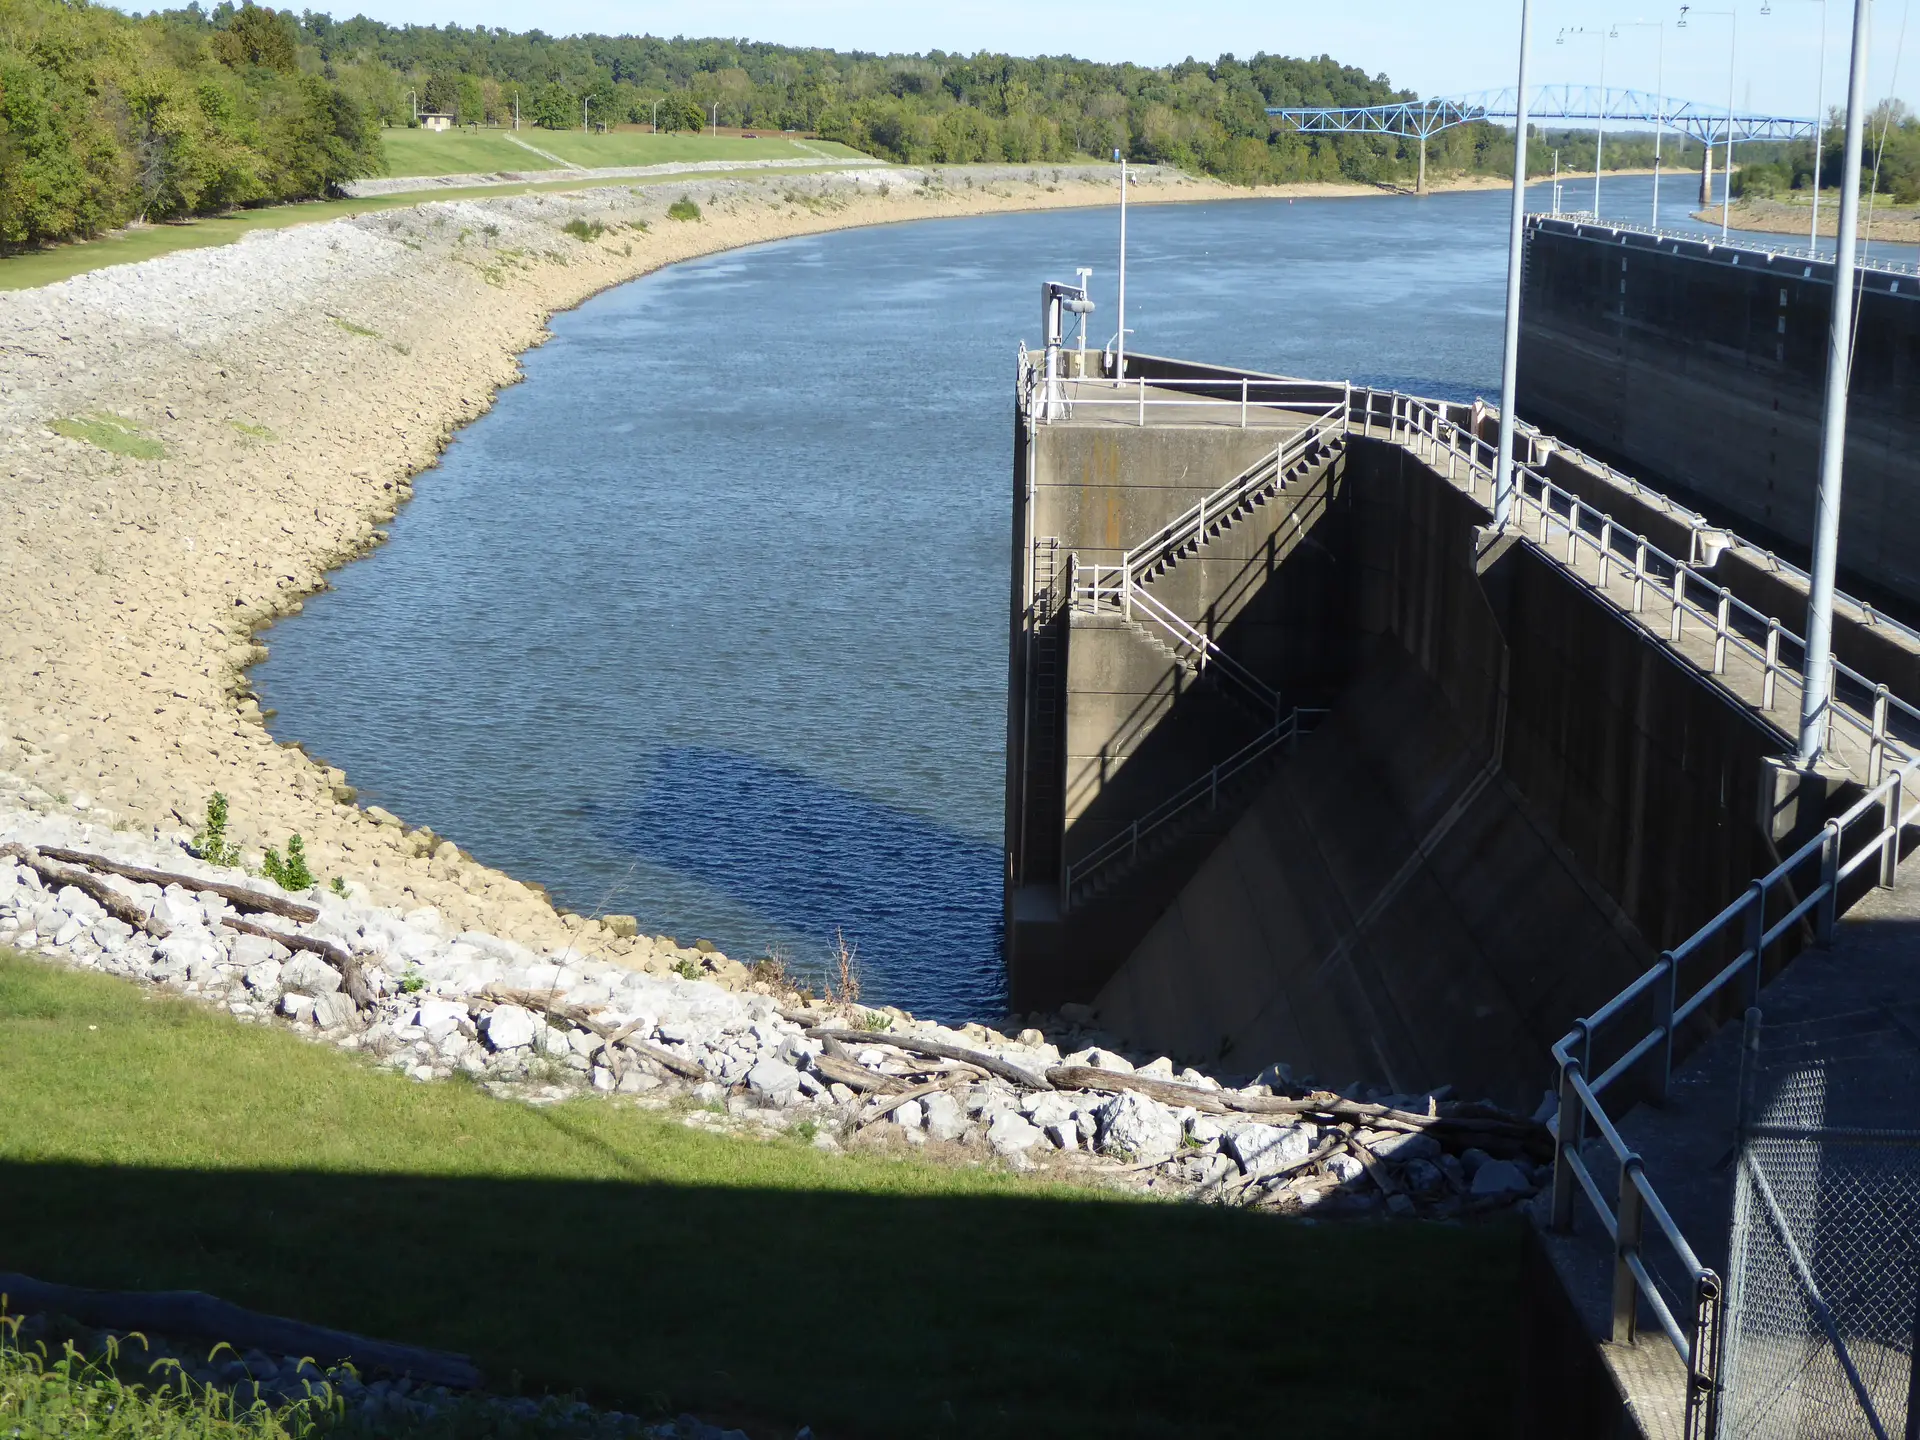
(1706, 174)
(1421, 187)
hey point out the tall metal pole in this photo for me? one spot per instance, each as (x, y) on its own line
(1726, 190)
(1659, 120)
(1818, 694)
(1516, 239)
(1819, 126)
(1600, 130)
(1120, 368)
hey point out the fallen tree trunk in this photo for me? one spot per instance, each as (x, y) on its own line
(238, 896)
(939, 1050)
(893, 1102)
(580, 1016)
(353, 979)
(184, 1314)
(1167, 1092)
(853, 1075)
(119, 906)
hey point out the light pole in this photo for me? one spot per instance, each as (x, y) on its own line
(516, 110)
(1732, 18)
(1817, 693)
(716, 115)
(1120, 314)
(413, 104)
(1516, 238)
(1819, 116)
(1660, 87)
(1600, 129)
(656, 117)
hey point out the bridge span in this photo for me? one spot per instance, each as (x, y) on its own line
(1591, 104)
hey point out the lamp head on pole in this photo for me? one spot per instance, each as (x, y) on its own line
(1681, 23)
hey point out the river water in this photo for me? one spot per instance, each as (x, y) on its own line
(706, 620)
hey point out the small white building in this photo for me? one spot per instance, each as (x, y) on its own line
(435, 120)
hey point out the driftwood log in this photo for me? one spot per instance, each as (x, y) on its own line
(182, 1314)
(119, 906)
(581, 1017)
(855, 1076)
(238, 896)
(939, 1050)
(890, 1103)
(353, 979)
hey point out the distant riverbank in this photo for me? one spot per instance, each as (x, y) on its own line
(198, 439)
(1896, 224)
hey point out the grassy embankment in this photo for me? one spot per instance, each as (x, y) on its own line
(25, 270)
(148, 1143)
(475, 151)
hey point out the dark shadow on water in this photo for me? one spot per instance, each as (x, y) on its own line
(863, 1313)
(913, 896)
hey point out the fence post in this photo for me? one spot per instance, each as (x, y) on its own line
(1640, 574)
(1679, 604)
(1720, 631)
(1753, 929)
(1877, 749)
(1569, 1132)
(1606, 550)
(1890, 846)
(1828, 909)
(1773, 663)
(1143, 402)
(1626, 1289)
(1665, 1001)
(1243, 402)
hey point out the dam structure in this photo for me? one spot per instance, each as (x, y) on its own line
(1698, 365)
(1308, 763)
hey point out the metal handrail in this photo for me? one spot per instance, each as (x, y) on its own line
(1582, 1110)
(1284, 731)
(1191, 524)
(1717, 243)
(1110, 587)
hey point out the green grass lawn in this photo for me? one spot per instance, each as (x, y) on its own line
(461, 152)
(148, 1143)
(30, 268)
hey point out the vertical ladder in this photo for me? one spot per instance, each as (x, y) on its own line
(1045, 701)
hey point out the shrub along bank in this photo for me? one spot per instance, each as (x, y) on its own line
(107, 118)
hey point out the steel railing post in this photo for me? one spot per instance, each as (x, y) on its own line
(1721, 617)
(1243, 402)
(1890, 845)
(1703, 1369)
(1143, 402)
(1829, 908)
(1665, 1002)
(1569, 1132)
(1877, 747)
(1628, 1223)
(1606, 550)
(1678, 623)
(1773, 664)
(1639, 574)
(1753, 929)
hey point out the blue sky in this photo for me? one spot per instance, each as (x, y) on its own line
(1436, 48)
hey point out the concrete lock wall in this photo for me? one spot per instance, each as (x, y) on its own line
(1086, 699)
(1701, 367)
(1513, 804)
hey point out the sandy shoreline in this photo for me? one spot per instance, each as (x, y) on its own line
(296, 382)
(1899, 225)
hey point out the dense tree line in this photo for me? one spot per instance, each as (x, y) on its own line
(1891, 159)
(935, 108)
(107, 118)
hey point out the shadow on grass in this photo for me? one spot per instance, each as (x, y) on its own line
(863, 1314)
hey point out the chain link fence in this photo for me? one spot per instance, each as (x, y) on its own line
(1824, 1274)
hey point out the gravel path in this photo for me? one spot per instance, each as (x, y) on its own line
(566, 170)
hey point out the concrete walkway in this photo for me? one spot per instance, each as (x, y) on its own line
(1854, 1009)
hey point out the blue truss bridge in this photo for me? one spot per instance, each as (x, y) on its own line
(1592, 104)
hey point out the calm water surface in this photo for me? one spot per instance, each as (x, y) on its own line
(706, 620)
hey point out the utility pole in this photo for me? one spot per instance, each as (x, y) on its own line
(656, 117)
(516, 110)
(1516, 239)
(1817, 695)
(1819, 117)
(1120, 366)
(716, 115)
(1660, 85)
(413, 101)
